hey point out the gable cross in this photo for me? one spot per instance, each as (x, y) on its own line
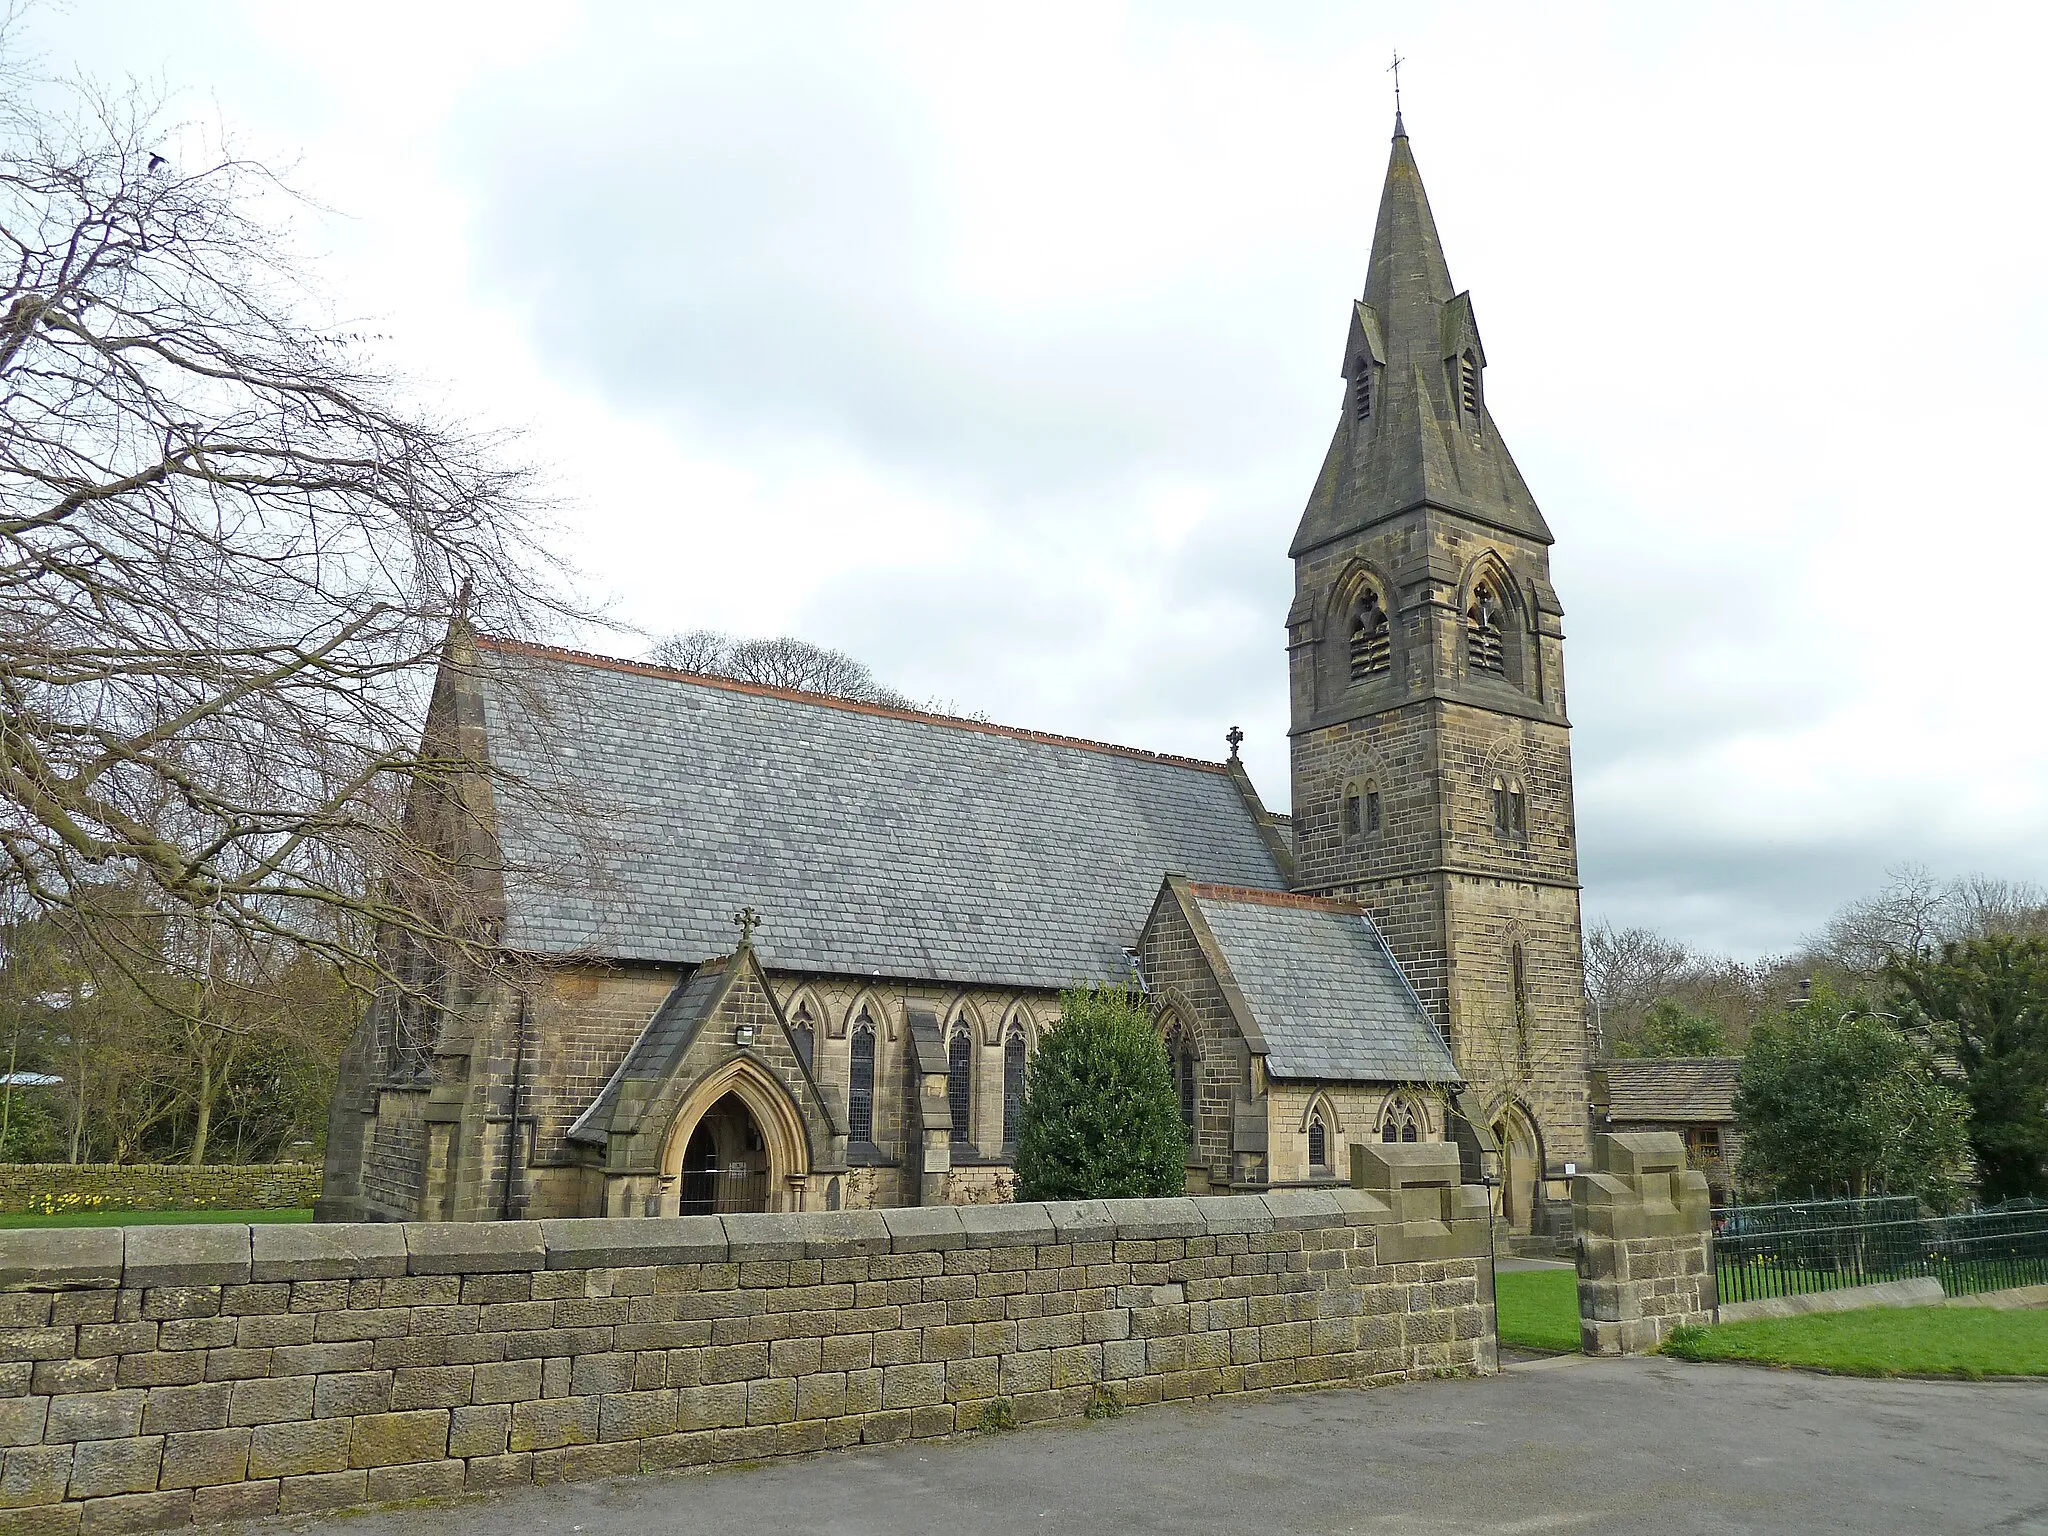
(1395, 70)
(746, 920)
(1236, 739)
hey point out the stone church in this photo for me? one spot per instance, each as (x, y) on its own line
(773, 950)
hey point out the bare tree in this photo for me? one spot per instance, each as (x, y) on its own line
(1628, 969)
(229, 551)
(781, 661)
(1911, 915)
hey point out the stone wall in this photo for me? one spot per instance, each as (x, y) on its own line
(1644, 1241)
(158, 1376)
(49, 1188)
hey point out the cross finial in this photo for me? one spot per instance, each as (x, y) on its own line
(746, 920)
(1395, 70)
(1236, 739)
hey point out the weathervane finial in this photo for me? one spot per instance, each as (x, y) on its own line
(746, 920)
(1394, 69)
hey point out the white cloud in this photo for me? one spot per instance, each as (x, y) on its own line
(999, 346)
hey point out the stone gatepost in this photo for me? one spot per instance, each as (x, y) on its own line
(1644, 1244)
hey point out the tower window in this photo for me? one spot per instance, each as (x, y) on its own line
(1510, 808)
(960, 1082)
(1372, 640)
(1353, 812)
(1372, 807)
(1361, 392)
(1013, 1083)
(860, 1087)
(1468, 385)
(1484, 649)
(1318, 1144)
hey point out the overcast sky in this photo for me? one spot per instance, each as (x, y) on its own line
(998, 345)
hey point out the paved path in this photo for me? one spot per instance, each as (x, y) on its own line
(1557, 1446)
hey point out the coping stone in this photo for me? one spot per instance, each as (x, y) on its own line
(473, 1247)
(1081, 1221)
(924, 1228)
(1359, 1209)
(195, 1255)
(843, 1234)
(55, 1259)
(1232, 1213)
(761, 1235)
(1296, 1210)
(625, 1242)
(1006, 1225)
(357, 1250)
(1144, 1220)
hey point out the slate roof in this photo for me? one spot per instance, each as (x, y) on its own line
(871, 841)
(660, 1046)
(1322, 989)
(1687, 1089)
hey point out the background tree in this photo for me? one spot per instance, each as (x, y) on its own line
(1671, 1029)
(1833, 1100)
(1987, 1000)
(230, 551)
(781, 661)
(1101, 1118)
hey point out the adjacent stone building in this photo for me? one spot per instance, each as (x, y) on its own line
(1693, 1097)
(764, 949)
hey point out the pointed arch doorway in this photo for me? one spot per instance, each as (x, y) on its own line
(725, 1163)
(1521, 1166)
(737, 1144)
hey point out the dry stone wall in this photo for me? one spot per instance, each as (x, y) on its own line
(50, 1188)
(154, 1377)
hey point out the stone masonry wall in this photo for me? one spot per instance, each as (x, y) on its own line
(1644, 1242)
(49, 1188)
(154, 1377)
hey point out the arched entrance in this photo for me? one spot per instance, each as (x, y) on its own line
(737, 1143)
(725, 1163)
(1521, 1166)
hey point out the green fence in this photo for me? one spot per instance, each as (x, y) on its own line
(1824, 1245)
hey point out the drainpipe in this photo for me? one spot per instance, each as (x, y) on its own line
(512, 1119)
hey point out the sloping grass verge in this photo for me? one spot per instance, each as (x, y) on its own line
(1968, 1343)
(152, 1218)
(1538, 1308)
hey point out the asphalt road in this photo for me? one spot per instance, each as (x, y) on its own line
(1564, 1446)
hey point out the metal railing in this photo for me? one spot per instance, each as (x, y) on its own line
(1823, 1245)
(715, 1191)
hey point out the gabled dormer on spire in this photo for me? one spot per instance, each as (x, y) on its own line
(1415, 427)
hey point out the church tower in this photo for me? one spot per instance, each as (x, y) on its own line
(1431, 753)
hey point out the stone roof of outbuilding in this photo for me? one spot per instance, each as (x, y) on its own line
(871, 840)
(1323, 990)
(1683, 1089)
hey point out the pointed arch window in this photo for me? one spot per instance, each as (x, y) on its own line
(1360, 811)
(1372, 807)
(1318, 1144)
(1485, 644)
(1510, 808)
(1013, 1083)
(1372, 638)
(1399, 1122)
(1180, 1056)
(1525, 1026)
(960, 1082)
(860, 1085)
(803, 1034)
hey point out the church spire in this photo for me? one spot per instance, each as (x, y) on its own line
(1415, 427)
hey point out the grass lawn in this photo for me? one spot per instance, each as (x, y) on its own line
(151, 1218)
(1969, 1342)
(1539, 1308)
